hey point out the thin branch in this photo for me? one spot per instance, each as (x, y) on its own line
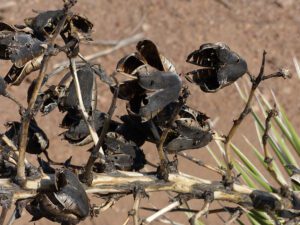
(81, 104)
(201, 163)
(127, 220)
(268, 159)
(271, 114)
(21, 177)
(202, 212)
(163, 170)
(135, 209)
(234, 217)
(247, 109)
(87, 175)
(13, 217)
(161, 212)
(122, 43)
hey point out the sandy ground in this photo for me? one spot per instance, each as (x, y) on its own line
(178, 27)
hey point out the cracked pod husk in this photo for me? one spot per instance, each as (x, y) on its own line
(221, 66)
(163, 87)
(45, 23)
(67, 204)
(78, 132)
(190, 131)
(123, 154)
(37, 140)
(24, 50)
(155, 84)
(87, 83)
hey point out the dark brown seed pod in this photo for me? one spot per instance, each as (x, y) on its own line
(123, 154)
(78, 132)
(222, 66)
(68, 204)
(16, 75)
(24, 50)
(166, 87)
(191, 131)
(155, 83)
(38, 141)
(79, 27)
(149, 52)
(45, 23)
(68, 100)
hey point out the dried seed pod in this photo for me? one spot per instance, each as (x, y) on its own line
(25, 52)
(167, 88)
(134, 130)
(17, 74)
(78, 132)
(37, 140)
(45, 23)
(149, 52)
(191, 131)
(78, 27)
(221, 66)
(157, 83)
(68, 204)
(88, 87)
(123, 154)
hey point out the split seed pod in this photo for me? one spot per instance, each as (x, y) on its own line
(68, 204)
(222, 66)
(24, 50)
(38, 141)
(191, 131)
(155, 84)
(124, 155)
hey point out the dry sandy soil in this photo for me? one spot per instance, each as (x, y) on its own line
(178, 27)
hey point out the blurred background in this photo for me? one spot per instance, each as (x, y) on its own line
(178, 27)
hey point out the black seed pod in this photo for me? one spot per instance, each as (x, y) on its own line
(221, 66)
(68, 204)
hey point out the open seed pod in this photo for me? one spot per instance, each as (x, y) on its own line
(87, 81)
(155, 83)
(191, 131)
(78, 27)
(37, 140)
(165, 88)
(24, 50)
(134, 130)
(68, 204)
(78, 132)
(221, 66)
(44, 24)
(123, 154)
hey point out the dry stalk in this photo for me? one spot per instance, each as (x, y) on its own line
(268, 159)
(202, 212)
(87, 176)
(247, 109)
(121, 44)
(161, 212)
(21, 177)
(81, 105)
(201, 163)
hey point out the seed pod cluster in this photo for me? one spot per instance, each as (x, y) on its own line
(152, 90)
